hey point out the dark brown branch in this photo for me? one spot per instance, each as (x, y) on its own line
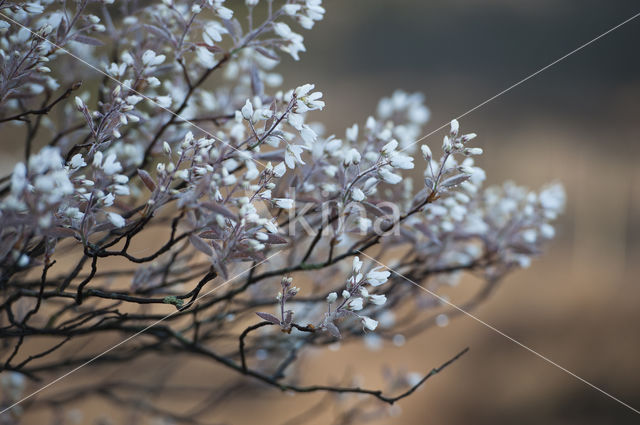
(244, 333)
(46, 109)
(314, 388)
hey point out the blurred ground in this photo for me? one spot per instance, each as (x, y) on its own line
(577, 123)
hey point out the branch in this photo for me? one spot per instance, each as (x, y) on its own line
(199, 349)
(45, 110)
(241, 339)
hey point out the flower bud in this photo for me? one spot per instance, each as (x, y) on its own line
(455, 126)
(473, 151)
(79, 104)
(426, 152)
(247, 111)
(332, 297)
(446, 144)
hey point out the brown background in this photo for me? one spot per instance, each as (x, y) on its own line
(577, 123)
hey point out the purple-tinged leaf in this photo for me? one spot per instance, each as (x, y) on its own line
(201, 245)
(455, 180)
(212, 49)
(220, 209)
(288, 318)
(420, 197)
(159, 32)
(269, 123)
(210, 234)
(234, 27)
(269, 318)
(256, 82)
(268, 53)
(87, 40)
(62, 29)
(220, 268)
(428, 181)
(275, 239)
(333, 330)
(147, 180)
(61, 232)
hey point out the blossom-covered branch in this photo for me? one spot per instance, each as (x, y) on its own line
(186, 183)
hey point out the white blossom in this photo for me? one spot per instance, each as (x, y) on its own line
(473, 151)
(111, 165)
(378, 299)
(149, 57)
(164, 101)
(291, 9)
(292, 155)
(357, 264)
(279, 169)
(455, 126)
(213, 32)
(352, 133)
(369, 323)
(376, 277)
(356, 304)
(426, 152)
(283, 203)
(116, 219)
(401, 161)
(357, 194)
(389, 177)
(247, 110)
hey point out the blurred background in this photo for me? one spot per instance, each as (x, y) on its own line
(577, 123)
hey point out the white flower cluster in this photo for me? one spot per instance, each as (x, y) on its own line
(306, 13)
(239, 169)
(355, 297)
(25, 55)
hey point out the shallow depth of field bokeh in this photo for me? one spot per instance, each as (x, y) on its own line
(576, 122)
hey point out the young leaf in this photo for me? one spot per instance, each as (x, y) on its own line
(333, 330)
(275, 239)
(269, 318)
(87, 40)
(455, 180)
(201, 245)
(147, 180)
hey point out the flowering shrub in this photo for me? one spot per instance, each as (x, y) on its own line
(165, 191)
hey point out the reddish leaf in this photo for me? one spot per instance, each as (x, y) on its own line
(147, 180)
(210, 234)
(275, 239)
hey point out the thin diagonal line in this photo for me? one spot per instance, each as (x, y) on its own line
(409, 280)
(498, 331)
(126, 86)
(134, 335)
(511, 87)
